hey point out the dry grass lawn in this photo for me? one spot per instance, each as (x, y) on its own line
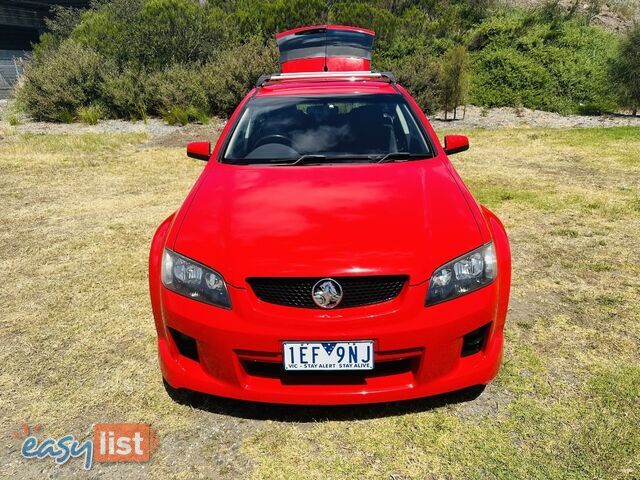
(77, 343)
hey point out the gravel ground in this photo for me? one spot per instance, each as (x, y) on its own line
(523, 117)
(175, 136)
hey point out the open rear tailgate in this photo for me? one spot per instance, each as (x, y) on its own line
(325, 48)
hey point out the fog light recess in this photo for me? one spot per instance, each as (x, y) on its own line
(187, 345)
(473, 341)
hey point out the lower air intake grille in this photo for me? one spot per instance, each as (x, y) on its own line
(357, 291)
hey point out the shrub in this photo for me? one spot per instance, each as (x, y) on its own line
(507, 77)
(11, 113)
(132, 93)
(177, 31)
(419, 74)
(264, 19)
(152, 34)
(102, 31)
(415, 31)
(365, 15)
(177, 86)
(141, 57)
(62, 81)
(91, 114)
(63, 20)
(542, 63)
(228, 79)
(579, 60)
(125, 93)
(625, 70)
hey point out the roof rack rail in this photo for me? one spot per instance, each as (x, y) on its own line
(356, 75)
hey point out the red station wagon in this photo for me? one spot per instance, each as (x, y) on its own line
(329, 253)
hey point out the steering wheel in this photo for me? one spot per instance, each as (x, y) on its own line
(275, 138)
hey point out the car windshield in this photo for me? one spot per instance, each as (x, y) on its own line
(323, 129)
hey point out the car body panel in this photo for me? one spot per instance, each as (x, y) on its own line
(327, 220)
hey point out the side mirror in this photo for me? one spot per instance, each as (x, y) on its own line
(199, 150)
(455, 144)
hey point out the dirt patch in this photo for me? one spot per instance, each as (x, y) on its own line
(477, 117)
(180, 136)
(159, 133)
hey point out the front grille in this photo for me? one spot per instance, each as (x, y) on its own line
(357, 291)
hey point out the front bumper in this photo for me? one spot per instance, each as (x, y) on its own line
(417, 348)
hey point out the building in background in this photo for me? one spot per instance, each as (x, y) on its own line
(21, 23)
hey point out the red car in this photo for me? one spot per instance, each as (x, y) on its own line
(329, 253)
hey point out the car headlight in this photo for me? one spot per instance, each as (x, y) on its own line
(463, 275)
(193, 280)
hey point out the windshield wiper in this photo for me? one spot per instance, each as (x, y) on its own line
(312, 158)
(392, 156)
(302, 160)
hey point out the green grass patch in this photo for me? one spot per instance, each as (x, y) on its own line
(493, 195)
(564, 405)
(91, 114)
(68, 144)
(587, 434)
(183, 116)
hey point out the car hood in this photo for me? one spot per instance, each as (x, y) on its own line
(397, 218)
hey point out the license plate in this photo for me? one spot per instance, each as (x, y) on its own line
(328, 355)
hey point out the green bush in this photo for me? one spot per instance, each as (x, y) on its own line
(229, 79)
(152, 34)
(625, 70)
(177, 31)
(454, 79)
(56, 85)
(126, 93)
(538, 62)
(134, 94)
(13, 119)
(419, 74)
(181, 60)
(12, 112)
(365, 15)
(177, 86)
(266, 18)
(102, 31)
(506, 77)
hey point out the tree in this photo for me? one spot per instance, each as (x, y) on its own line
(626, 70)
(63, 20)
(454, 78)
